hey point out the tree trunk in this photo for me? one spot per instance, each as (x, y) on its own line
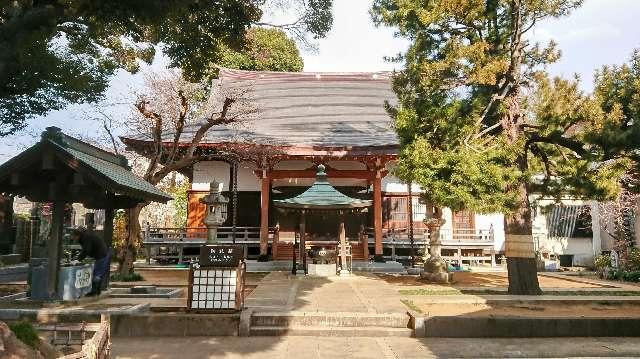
(519, 248)
(129, 250)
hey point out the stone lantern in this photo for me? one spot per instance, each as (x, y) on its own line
(435, 268)
(216, 211)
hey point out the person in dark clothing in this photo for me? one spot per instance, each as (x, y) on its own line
(93, 247)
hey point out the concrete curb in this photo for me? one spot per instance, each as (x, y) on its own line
(175, 325)
(244, 328)
(417, 322)
(50, 315)
(520, 327)
(505, 299)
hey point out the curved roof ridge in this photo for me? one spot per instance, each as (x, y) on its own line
(247, 74)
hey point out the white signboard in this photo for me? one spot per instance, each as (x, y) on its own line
(83, 278)
(214, 289)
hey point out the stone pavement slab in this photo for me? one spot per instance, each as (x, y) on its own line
(359, 293)
(399, 348)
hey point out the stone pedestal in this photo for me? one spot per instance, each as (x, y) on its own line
(323, 270)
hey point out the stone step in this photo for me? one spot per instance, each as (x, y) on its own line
(270, 331)
(337, 319)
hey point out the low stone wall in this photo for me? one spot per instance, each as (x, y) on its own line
(175, 324)
(520, 327)
(14, 273)
(98, 347)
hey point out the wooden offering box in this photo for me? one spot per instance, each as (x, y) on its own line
(218, 285)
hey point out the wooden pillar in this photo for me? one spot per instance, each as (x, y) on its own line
(107, 234)
(294, 264)
(364, 239)
(302, 244)
(54, 247)
(377, 216)
(342, 243)
(276, 239)
(265, 188)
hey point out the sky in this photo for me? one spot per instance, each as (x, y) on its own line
(601, 32)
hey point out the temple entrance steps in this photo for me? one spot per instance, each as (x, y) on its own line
(285, 251)
(330, 324)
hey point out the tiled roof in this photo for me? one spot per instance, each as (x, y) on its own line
(307, 109)
(109, 171)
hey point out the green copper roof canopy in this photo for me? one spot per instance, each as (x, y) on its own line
(322, 196)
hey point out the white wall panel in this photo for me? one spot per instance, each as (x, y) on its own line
(204, 172)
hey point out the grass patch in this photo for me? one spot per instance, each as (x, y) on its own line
(453, 291)
(26, 333)
(411, 305)
(132, 277)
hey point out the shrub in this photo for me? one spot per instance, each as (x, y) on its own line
(614, 275)
(133, 277)
(602, 261)
(633, 259)
(633, 276)
(26, 333)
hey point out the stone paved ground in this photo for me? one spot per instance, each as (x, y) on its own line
(363, 293)
(398, 348)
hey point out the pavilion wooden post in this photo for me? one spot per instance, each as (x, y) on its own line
(107, 234)
(342, 239)
(264, 215)
(294, 264)
(364, 238)
(276, 240)
(301, 249)
(377, 216)
(54, 247)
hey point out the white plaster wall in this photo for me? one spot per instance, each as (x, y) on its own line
(204, 172)
(583, 249)
(391, 183)
(495, 220)
(347, 165)
(307, 182)
(446, 231)
(293, 165)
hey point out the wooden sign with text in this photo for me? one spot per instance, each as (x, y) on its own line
(221, 255)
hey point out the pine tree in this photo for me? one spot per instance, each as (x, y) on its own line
(482, 127)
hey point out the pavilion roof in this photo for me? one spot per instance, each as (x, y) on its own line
(104, 175)
(322, 196)
(303, 109)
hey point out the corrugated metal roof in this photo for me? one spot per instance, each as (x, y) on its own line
(306, 109)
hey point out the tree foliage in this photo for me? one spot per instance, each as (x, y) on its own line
(477, 115)
(265, 49)
(480, 123)
(617, 90)
(54, 52)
